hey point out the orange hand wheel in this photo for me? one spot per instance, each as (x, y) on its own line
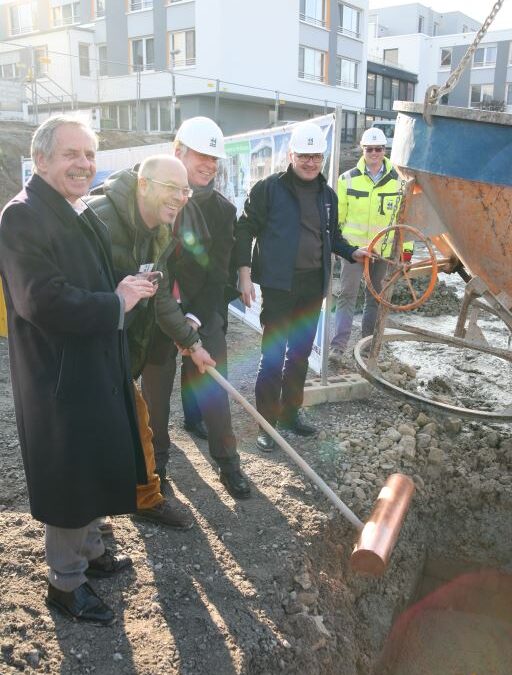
(398, 270)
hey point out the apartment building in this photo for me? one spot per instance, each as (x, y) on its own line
(147, 64)
(432, 45)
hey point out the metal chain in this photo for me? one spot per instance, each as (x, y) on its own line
(434, 92)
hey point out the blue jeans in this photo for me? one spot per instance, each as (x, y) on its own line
(289, 320)
(351, 275)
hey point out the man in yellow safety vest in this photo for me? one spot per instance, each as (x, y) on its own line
(368, 196)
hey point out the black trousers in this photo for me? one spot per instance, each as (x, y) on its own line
(213, 402)
(289, 320)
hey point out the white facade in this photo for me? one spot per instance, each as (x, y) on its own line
(251, 52)
(488, 76)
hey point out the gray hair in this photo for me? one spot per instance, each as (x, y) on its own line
(178, 145)
(43, 140)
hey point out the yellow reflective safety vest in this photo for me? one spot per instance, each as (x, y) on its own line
(365, 208)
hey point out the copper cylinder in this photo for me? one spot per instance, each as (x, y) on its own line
(373, 549)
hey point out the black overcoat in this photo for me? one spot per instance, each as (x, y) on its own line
(71, 380)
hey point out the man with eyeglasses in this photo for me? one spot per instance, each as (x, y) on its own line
(200, 270)
(293, 216)
(368, 197)
(140, 209)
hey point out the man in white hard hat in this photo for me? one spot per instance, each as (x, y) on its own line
(293, 216)
(368, 200)
(200, 270)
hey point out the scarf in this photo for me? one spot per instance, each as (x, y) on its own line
(201, 193)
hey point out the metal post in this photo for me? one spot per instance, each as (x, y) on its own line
(276, 108)
(137, 103)
(217, 96)
(333, 182)
(173, 54)
(35, 111)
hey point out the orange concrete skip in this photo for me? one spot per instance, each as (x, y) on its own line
(374, 547)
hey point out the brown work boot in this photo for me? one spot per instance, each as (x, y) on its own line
(170, 512)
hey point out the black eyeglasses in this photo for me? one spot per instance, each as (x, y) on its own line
(174, 189)
(374, 148)
(317, 158)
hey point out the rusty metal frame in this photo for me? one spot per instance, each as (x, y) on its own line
(411, 333)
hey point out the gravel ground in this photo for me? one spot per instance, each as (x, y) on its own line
(263, 586)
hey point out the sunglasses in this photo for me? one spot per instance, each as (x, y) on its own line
(374, 148)
(175, 190)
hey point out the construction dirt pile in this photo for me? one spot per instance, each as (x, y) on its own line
(264, 586)
(15, 143)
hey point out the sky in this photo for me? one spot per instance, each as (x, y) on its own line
(476, 9)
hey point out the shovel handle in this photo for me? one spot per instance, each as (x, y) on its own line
(284, 445)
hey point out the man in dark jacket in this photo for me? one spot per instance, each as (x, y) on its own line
(72, 388)
(140, 208)
(294, 218)
(200, 268)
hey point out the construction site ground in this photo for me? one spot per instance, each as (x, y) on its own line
(264, 586)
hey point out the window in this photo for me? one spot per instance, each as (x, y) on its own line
(485, 56)
(346, 73)
(421, 23)
(102, 60)
(41, 61)
(65, 13)
(446, 57)
(370, 90)
(311, 64)
(312, 11)
(405, 91)
(183, 49)
(350, 20)
(480, 94)
(22, 20)
(386, 93)
(391, 56)
(349, 127)
(436, 29)
(83, 59)
(136, 5)
(100, 7)
(508, 99)
(465, 28)
(510, 55)
(10, 71)
(394, 91)
(143, 54)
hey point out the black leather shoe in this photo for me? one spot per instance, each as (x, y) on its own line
(297, 424)
(170, 512)
(82, 604)
(235, 482)
(108, 564)
(265, 442)
(197, 428)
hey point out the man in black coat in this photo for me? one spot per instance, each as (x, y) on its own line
(291, 217)
(71, 380)
(200, 270)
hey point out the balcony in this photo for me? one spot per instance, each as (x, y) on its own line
(312, 20)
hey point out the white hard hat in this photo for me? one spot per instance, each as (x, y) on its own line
(202, 135)
(373, 136)
(308, 137)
